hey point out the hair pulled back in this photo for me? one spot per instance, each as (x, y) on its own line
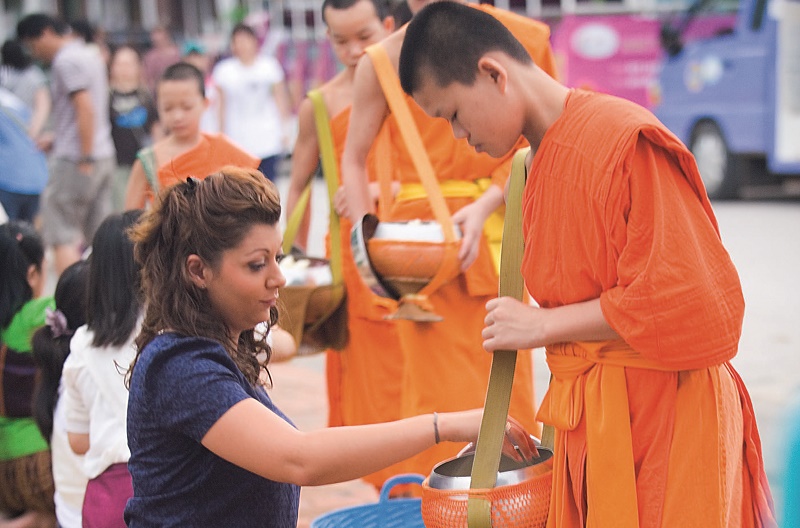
(204, 218)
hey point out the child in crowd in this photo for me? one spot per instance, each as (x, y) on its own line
(94, 373)
(26, 482)
(363, 387)
(639, 305)
(50, 349)
(185, 151)
(134, 120)
(254, 106)
(208, 446)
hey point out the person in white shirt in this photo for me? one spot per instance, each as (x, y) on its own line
(94, 374)
(50, 348)
(254, 107)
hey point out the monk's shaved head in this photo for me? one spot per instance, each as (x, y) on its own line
(445, 40)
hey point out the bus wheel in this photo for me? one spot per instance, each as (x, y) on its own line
(718, 167)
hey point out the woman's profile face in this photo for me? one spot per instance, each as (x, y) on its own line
(243, 287)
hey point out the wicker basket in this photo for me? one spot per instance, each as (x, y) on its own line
(386, 513)
(316, 316)
(521, 504)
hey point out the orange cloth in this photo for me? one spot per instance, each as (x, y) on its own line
(446, 367)
(658, 429)
(364, 378)
(210, 155)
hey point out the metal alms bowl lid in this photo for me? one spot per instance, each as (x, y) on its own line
(455, 473)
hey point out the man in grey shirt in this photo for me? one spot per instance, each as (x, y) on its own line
(78, 194)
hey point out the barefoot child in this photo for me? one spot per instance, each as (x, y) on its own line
(640, 305)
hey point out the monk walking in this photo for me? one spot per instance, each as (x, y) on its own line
(444, 364)
(640, 307)
(363, 378)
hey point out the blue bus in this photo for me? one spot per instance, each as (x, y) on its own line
(734, 99)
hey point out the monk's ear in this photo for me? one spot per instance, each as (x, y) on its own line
(493, 69)
(389, 23)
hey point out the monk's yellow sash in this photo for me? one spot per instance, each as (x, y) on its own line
(589, 380)
(492, 228)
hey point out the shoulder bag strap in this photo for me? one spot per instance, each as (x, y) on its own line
(147, 156)
(396, 100)
(498, 394)
(330, 172)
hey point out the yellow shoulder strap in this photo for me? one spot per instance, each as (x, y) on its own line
(498, 394)
(330, 171)
(408, 130)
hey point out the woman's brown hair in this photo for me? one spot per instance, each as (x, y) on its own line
(203, 218)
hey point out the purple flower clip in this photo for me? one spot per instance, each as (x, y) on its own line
(57, 322)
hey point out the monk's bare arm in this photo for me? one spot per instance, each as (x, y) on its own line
(471, 218)
(305, 159)
(513, 325)
(136, 191)
(366, 118)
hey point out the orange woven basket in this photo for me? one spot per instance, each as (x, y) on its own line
(525, 504)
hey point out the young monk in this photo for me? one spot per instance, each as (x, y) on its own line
(640, 305)
(444, 363)
(185, 151)
(363, 378)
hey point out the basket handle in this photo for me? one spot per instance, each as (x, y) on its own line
(403, 478)
(330, 172)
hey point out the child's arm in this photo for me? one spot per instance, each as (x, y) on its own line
(305, 159)
(513, 325)
(136, 191)
(78, 442)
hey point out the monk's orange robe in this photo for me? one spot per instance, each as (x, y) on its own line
(657, 429)
(212, 153)
(364, 378)
(446, 367)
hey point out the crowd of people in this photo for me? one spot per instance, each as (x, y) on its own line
(159, 207)
(94, 134)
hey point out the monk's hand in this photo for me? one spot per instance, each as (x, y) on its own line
(340, 202)
(511, 325)
(469, 220)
